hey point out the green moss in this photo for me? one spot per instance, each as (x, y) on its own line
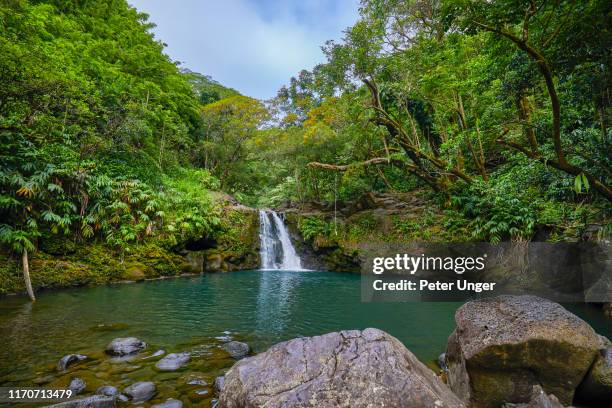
(91, 264)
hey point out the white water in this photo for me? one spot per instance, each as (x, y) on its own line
(277, 251)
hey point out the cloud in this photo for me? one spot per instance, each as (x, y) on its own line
(254, 46)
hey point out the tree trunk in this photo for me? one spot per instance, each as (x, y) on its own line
(26, 274)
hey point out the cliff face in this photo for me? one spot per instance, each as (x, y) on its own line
(332, 236)
(235, 246)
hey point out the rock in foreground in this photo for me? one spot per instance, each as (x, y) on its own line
(96, 401)
(597, 386)
(124, 346)
(539, 399)
(354, 368)
(504, 346)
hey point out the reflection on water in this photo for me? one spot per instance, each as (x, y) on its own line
(273, 301)
(260, 307)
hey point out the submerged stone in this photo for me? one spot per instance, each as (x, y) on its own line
(140, 391)
(77, 386)
(173, 361)
(108, 390)
(68, 360)
(236, 349)
(124, 346)
(169, 403)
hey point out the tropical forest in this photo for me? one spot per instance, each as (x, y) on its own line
(160, 230)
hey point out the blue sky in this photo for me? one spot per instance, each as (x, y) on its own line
(254, 46)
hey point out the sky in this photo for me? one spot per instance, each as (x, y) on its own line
(253, 46)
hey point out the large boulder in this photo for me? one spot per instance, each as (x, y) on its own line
(597, 385)
(123, 346)
(353, 368)
(96, 401)
(505, 345)
(538, 399)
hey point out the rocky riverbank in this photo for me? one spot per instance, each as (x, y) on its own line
(508, 351)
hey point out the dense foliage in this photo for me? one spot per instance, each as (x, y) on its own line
(97, 126)
(499, 108)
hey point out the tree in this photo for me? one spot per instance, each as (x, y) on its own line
(533, 26)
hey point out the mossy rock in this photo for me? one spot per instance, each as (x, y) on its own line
(135, 272)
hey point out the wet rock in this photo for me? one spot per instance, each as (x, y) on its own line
(202, 392)
(108, 390)
(237, 349)
(96, 401)
(503, 346)
(124, 346)
(219, 382)
(77, 386)
(196, 381)
(368, 368)
(123, 397)
(597, 385)
(68, 360)
(170, 403)
(172, 361)
(140, 391)
(538, 399)
(442, 362)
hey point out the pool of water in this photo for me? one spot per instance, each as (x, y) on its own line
(197, 315)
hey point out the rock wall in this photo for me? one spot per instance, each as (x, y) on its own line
(235, 246)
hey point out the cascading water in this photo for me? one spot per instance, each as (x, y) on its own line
(277, 251)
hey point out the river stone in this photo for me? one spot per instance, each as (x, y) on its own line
(170, 403)
(538, 399)
(368, 368)
(597, 385)
(140, 391)
(123, 346)
(505, 345)
(69, 360)
(172, 361)
(77, 386)
(236, 349)
(108, 390)
(96, 401)
(219, 382)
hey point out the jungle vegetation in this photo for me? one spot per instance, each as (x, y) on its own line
(497, 110)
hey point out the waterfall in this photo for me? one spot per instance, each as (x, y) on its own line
(277, 251)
